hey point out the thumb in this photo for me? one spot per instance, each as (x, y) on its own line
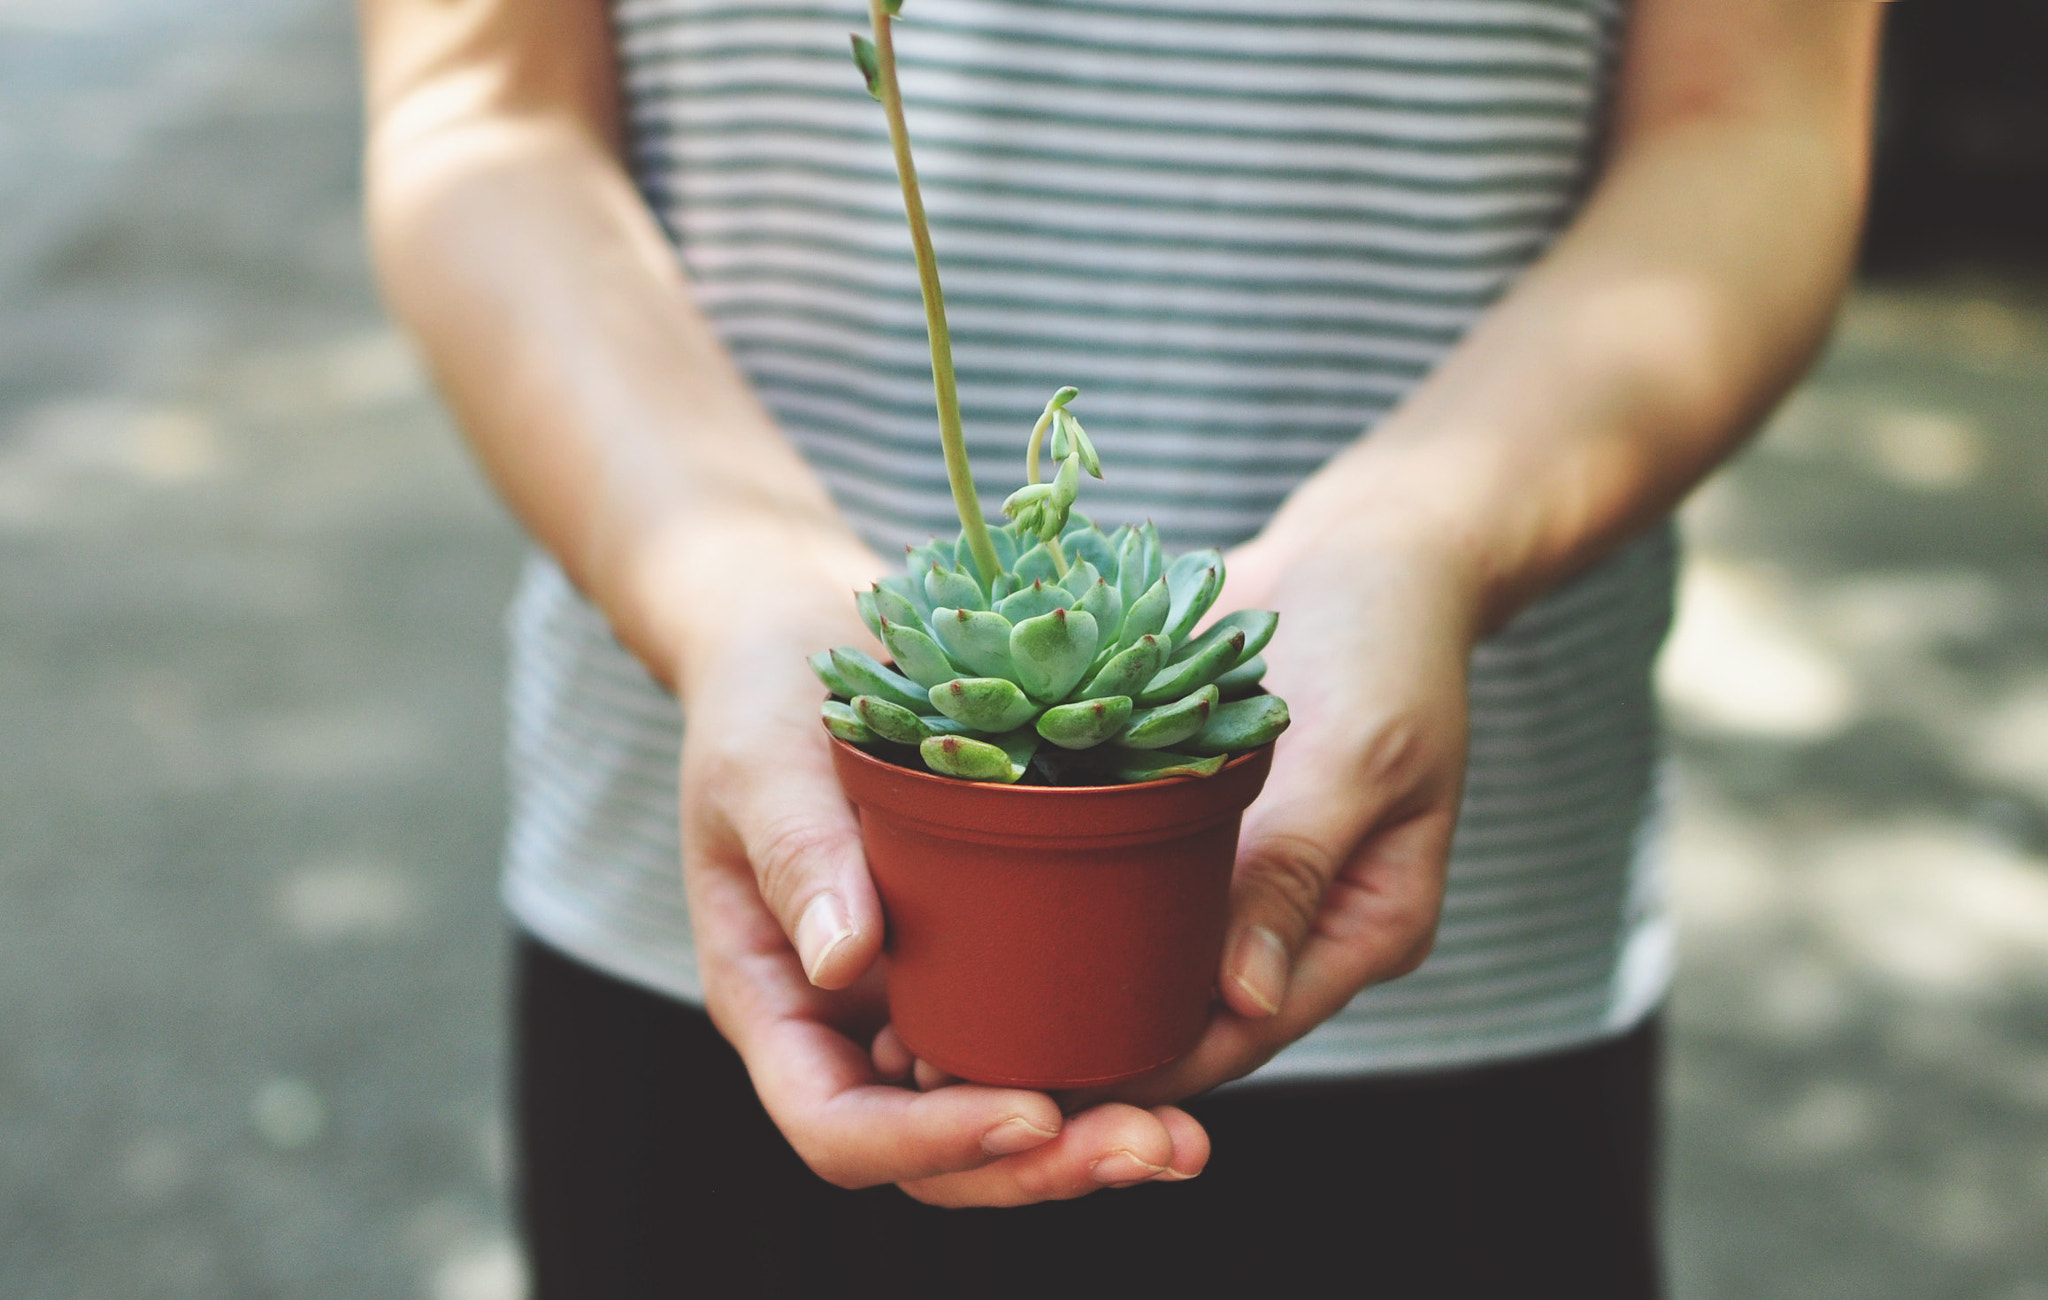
(1318, 805)
(798, 835)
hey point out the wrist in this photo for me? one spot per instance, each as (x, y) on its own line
(726, 585)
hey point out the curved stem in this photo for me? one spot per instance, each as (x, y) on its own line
(973, 527)
(1031, 448)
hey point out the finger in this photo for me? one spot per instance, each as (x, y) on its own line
(777, 803)
(820, 1086)
(1109, 1146)
(930, 1076)
(1190, 1144)
(892, 1059)
(1317, 804)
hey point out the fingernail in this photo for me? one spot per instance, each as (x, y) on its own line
(822, 928)
(1261, 962)
(1173, 1175)
(1121, 1168)
(1013, 1135)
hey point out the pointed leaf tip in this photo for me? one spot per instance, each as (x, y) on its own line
(869, 63)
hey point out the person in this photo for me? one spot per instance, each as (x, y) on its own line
(1554, 257)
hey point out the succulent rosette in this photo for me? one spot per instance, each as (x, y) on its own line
(1042, 649)
(1077, 659)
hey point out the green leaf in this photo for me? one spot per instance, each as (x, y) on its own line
(1005, 539)
(1053, 651)
(1102, 601)
(892, 7)
(908, 590)
(1089, 544)
(844, 723)
(977, 639)
(1041, 597)
(1194, 580)
(1243, 679)
(1128, 670)
(969, 759)
(917, 655)
(984, 703)
(1256, 624)
(868, 677)
(828, 672)
(1081, 575)
(1036, 565)
(1131, 581)
(890, 721)
(1134, 765)
(869, 63)
(1169, 724)
(1085, 724)
(1241, 725)
(1066, 488)
(953, 589)
(1177, 679)
(1147, 615)
(864, 603)
(1000, 586)
(892, 605)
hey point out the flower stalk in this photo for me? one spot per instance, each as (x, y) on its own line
(877, 60)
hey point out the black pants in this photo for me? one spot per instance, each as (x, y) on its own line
(647, 1168)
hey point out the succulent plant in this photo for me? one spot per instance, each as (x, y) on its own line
(1043, 645)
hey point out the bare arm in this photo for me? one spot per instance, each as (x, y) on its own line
(1691, 292)
(512, 243)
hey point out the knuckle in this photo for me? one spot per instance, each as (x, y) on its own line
(783, 852)
(1293, 871)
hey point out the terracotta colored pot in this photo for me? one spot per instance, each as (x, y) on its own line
(1050, 937)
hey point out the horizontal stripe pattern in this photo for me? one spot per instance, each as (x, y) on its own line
(1245, 236)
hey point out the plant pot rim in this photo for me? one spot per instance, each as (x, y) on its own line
(935, 781)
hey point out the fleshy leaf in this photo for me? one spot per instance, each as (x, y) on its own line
(953, 589)
(1005, 539)
(1243, 679)
(1129, 669)
(864, 603)
(844, 723)
(1036, 565)
(1256, 624)
(1146, 616)
(979, 640)
(1130, 565)
(908, 592)
(984, 703)
(1000, 586)
(869, 63)
(917, 656)
(1154, 765)
(1240, 725)
(828, 672)
(1089, 544)
(1169, 724)
(1053, 651)
(1103, 601)
(969, 759)
(890, 721)
(1081, 575)
(1177, 679)
(1194, 580)
(1085, 724)
(867, 677)
(1038, 598)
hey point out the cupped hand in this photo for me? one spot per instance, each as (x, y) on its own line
(1341, 864)
(789, 930)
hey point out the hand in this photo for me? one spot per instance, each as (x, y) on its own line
(1340, 868)
(788, 926)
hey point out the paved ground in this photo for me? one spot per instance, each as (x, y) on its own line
(249, 593)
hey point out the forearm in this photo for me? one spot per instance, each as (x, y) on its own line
(1694, 288)
(596, 395)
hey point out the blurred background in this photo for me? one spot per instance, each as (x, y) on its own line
(250, 591)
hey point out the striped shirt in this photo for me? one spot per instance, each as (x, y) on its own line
(1245, 234)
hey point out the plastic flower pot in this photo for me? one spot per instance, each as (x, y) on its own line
(1050, 937)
